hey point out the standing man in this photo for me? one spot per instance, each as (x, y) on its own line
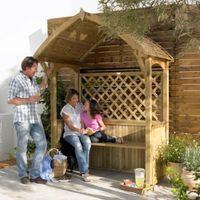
(24, 94)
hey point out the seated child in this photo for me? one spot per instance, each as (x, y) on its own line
(92, 122)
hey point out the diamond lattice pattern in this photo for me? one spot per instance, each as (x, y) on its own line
(121, 96)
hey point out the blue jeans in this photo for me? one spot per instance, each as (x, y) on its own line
(36, 131)
(100, 136)
(82, 145)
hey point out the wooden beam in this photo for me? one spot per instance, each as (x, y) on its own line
(75, 68)
(91, 48)
(51, 58)
(160, 62)
(82, 14)
(165, 99)
(148, 134)
(44, 66)
(53, 102)
(76, 41)
(140, 62)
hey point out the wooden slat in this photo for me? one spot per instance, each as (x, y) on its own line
(188, 74)
(125, 145)
(130, 122)
(186, 93)
(191, 81)
(91, 48)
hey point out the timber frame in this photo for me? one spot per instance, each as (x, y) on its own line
(71, 43)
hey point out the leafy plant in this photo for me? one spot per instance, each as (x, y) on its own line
(38, 79)
(174, 151)
(192, 157)
(139, 17)
(11, 154)
(61, 93)
(179, 189)
(30, 149)
(196, 191)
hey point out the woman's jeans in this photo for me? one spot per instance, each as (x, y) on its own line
(100, 136)
(36, 131)
(82, 145)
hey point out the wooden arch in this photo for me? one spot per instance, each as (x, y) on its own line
(61, 47)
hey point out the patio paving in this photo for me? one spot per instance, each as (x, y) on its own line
(104, 185)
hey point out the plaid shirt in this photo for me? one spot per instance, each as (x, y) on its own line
(23, 87)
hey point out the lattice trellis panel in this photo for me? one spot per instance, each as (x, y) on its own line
(121, 95)
(156, 96)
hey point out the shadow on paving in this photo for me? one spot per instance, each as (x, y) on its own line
(104, 185)
(161, 192)
(101, 190)
(97, 189)
(9, 180)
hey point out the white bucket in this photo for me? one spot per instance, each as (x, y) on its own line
(139, 177)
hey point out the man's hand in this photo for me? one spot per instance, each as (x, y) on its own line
(49, 71)
(34, 99)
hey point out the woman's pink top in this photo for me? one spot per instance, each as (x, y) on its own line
(89, 122)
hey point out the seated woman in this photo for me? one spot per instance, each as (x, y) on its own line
(74, 134)
(92, 121)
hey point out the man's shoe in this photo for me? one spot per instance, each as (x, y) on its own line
(38, 180)
(25, 180)
(85, 177)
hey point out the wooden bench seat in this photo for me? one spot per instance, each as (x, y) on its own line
(124, 145)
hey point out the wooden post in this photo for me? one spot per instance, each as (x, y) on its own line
(76, 81)
(140, 62)
(148, 135)
(53, 102)
(165, 102)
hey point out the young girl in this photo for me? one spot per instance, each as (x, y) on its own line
(92, 122)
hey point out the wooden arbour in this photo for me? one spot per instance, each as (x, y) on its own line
(75, 46)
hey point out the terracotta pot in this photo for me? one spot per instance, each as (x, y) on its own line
(176, 166)
(188, 179)
(7, 163)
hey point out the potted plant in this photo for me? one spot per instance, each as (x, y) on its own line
(179, 188)
(191, 166)
(173, 153)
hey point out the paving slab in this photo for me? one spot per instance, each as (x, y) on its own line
(104, 185)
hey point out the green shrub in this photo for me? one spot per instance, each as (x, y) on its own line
(46, 115)
(191, 159)
(179, 188)
(174, 151)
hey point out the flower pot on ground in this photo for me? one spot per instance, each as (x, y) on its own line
(179, 188)
(7, 163)
(176, 166)
(173, 153)
(188, 179)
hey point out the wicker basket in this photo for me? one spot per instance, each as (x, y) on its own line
(59, 167)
